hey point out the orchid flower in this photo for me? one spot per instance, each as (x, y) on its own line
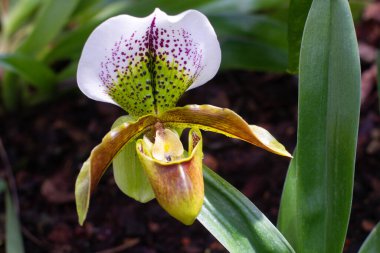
(144, 65)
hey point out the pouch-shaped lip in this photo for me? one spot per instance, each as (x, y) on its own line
(178, 185)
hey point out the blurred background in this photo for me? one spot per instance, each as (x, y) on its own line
(48, 128)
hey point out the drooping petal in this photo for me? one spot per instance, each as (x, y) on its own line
(178, 185)
(101, 157)
(223, 121)
(145, 64)
(128, 172)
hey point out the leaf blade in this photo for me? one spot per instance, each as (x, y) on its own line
(13, 236)
(329, 104)
(287, 221)
(18, 15)
(235, 221)
(251, 42)
(33, 71)
(298, 10)
(51, 19)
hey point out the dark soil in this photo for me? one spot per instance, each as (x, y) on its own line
(47, 145)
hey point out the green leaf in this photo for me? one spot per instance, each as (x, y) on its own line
(10, 90)
(84, 6)
(251, 42)
(235, 222)
(372, 243)
(249, 54)
(68, 72)
(13, 237)
(329, 101)
(287, 221)
(357, 7)
(99, 10)
(298, 10)
(17, 15)
(145, 7)
(253, 26)
(31, 70)
(128, 172)
(70, 44)
(51, 19)
(240, 6)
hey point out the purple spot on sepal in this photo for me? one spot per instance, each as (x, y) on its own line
(147, 53)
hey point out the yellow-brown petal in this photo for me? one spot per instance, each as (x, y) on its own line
(101, 157)
(223, 121)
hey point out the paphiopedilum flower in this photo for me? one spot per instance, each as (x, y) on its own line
(144, 65)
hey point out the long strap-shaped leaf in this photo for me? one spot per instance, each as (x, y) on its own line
(13, 236)
(205, 117)
(287, 220)
(329, 95)
(33, 71)
(298, 10)
(235, 221)
(18, 15)
(51, 19)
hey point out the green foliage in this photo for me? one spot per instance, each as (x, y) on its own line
(372, 243)
(357, 7)
(51, 19)
(36, 73)
(145, 7)
(298, 10)
(287, 220)
(235, 221)
(251, 42)
(18, 16)
(38, 76)
(13, 237)
(329, 100)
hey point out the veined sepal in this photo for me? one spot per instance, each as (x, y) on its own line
(144, 65)
(178, 183)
